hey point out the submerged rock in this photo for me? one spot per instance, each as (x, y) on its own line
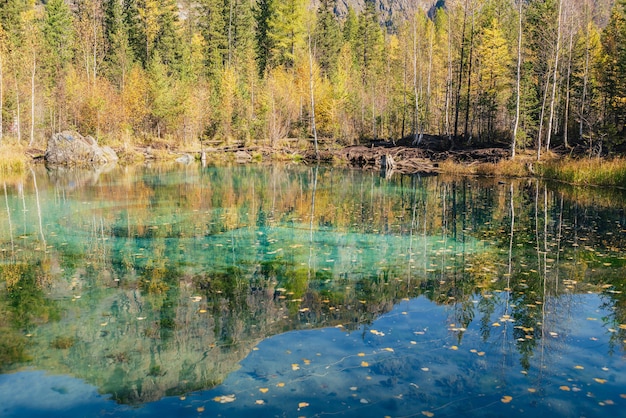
(71, 148)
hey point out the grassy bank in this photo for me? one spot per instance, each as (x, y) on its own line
(13, 158)
(587, 171)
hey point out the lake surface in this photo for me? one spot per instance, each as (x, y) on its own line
(304, 291)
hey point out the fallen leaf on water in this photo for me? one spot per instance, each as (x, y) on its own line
(259, 402)
(532, 390)
(579, 367)
(364, 364)
(200, 409)
(506, 399)
(454, 347)
(622, 395)
(565, 388)
(225, 398)
(428, 414)
(263, 390)
(295, 366)
(363, 400)
(303, 405)
(280, 384)
(495, 324)
(601, 381)
(182, 398)
(361, 354)
(306, 361)
(425, 369)
(481, 353)
(388, 349)
(353, 388)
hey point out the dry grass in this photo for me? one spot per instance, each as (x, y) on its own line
(586, 171)
(13, 159)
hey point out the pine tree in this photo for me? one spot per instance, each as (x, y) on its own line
(286, 31)
(119, 55)
(264, 43)
(326, 38)
(214, 30)
(58, 32)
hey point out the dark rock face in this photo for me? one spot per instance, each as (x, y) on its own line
(73, 149)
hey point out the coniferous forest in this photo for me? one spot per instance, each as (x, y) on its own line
(534, 74)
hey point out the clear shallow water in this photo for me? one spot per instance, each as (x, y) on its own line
(308, 292)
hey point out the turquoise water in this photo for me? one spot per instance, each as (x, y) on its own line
(303, 291)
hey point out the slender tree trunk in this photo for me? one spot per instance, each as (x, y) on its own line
(543, 111)
(567, 90)
(312, 90)
(554, 77)
(230, 31)
(467, 135)
(32, 102)
(460, 81)
(449, 82)
(17, 105)
(404, 98)
(519, 80)
(417, 137)
(585, 78)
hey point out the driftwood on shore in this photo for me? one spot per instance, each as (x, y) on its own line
(404, 159)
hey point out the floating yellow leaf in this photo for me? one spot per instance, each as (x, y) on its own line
(601, 381)
(280, 384)
(425, 369)
(182, 398)
(364, 364)
(225, 398)
(495, 324)
(506, 399)
(303, 405)
(361, 354)
(532, 390)
(428, 414)
(481, 353)
(622, 395)
(202, 311)
(295, 366)
(454, 347)
(565, 388)
(579, 367)
(306, 361)
(259, 402)
(388, 349)
(263, 390)
(200, 409)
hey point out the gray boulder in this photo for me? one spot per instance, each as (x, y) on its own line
(72, 149)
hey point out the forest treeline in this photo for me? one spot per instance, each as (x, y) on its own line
(533, 74)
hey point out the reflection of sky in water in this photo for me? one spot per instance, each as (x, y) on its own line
(406, 364)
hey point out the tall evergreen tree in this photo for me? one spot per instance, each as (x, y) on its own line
(119, 55)
(327, 38)
(58, 32)
(264, 43)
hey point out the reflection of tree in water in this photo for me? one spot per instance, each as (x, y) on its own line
(455, 247)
